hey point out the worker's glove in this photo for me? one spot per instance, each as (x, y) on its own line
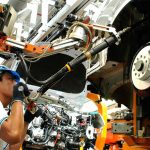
(31, 112)
(20, 91)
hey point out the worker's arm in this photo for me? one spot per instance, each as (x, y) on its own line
(28, 117)
(11, 128)
(18, 145)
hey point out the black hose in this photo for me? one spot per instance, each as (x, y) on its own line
(28, 74)
(106, 43)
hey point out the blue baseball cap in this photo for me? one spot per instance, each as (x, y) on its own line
(11, 72)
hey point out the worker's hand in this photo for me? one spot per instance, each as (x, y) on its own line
(31, 112)
(20, 91)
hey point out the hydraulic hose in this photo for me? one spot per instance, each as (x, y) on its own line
(84, 56)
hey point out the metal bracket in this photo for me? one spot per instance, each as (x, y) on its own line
(122, 128)
(109, 30)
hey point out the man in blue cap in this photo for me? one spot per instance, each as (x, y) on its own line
(12, 92)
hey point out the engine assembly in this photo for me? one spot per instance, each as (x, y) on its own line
(59, 129)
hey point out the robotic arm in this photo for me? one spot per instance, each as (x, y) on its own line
(79, 36)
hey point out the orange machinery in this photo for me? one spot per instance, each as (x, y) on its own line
(129, 141)
(119, 141)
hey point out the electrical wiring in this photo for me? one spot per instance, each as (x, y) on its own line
(87, 30)
(7, 53)
(46, 53)
(28, 74)
(37, 58)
